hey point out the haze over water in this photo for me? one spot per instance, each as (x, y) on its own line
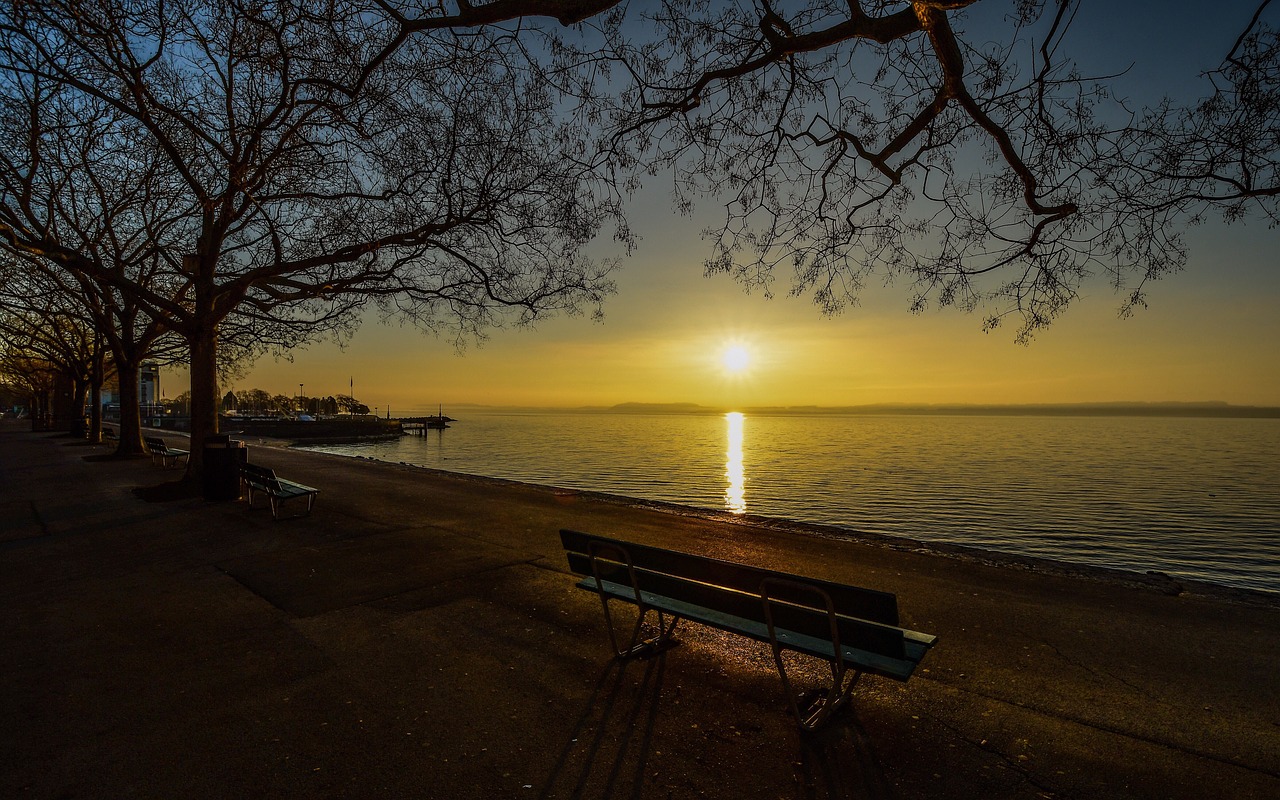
(1192, 497)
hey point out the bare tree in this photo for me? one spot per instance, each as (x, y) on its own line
(48, 338)
(32, 378)
(76, 174)
(857, 139)
(1218, 154)
(312, 159)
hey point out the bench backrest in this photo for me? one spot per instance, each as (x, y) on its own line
(155, 445)
(260, 476)
(866, 618)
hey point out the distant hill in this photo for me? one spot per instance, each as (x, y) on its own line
(663, 408)
(1211, 408)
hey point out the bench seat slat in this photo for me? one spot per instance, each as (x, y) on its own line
(167, 454)
(278, 490)
(788, 612)
(867, 604)
(809, 620)
(868, 661)
(159, 447)
(291, 489)
(913, 643)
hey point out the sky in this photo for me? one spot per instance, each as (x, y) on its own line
(1210, 333)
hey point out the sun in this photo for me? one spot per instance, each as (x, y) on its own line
(735, 358)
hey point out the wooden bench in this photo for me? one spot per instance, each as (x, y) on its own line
(109, 436)
(159, 450)
(855, 630)
(277, 490)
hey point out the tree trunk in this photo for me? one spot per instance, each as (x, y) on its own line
(204, 396)
(42, 420)
(36, 410)
(95, 412)
(79, 397)
(95, 395)
(130, 411)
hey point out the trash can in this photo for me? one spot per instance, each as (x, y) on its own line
(222, 459)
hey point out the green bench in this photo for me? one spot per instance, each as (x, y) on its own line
(277, 490)
(855, 630)
(168, 456)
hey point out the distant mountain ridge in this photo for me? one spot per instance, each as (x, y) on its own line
(1210, 408)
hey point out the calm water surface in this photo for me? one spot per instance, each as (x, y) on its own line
(1192, 497)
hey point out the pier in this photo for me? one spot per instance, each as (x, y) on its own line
(420, 425)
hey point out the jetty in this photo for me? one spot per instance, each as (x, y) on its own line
(351, 428)
(421, 425)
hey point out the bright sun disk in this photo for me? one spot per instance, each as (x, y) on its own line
(736, 358)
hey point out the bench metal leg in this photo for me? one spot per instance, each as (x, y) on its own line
(813, 709)
(638, 647)
(276, 502)
(272, 501)
(821, 705)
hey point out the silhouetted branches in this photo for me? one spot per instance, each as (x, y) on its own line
(856, 139)
(299, 160)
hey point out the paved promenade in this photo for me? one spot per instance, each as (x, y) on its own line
(418, 636)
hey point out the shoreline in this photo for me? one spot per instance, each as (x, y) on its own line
(1152, 580)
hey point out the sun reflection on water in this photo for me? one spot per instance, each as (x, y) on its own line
(735, 494)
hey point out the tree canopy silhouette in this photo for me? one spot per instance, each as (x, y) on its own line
(299, 162)
(951, 145)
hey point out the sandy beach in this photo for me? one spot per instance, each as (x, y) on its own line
(419, 635)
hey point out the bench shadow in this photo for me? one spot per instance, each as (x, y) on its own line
(608, 750)
(97, 458)
(840, 762)
(606, 755)
(168, 492)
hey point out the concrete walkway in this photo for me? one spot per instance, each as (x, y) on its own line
(418, 636)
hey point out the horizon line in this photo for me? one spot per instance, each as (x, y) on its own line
(1133, 407)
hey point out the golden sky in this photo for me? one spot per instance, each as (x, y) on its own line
(1211, 332)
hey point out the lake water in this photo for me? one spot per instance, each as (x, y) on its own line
(1191, 497)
